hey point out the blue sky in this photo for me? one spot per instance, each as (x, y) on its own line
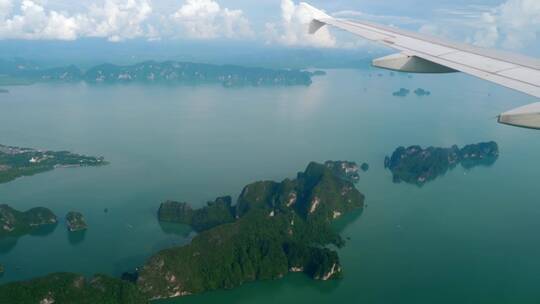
(506, 24)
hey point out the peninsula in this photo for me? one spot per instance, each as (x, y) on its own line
(415, 165)
(16, 162)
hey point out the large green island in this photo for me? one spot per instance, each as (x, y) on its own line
(273, 229)
(20, 71)
(16, 162)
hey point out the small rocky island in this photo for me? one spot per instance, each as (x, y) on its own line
(401, 93)
(16, 162)
(17, 223)
(415, 165)
(75, 221)
(365, 167)
(421, 92)
(273, 229)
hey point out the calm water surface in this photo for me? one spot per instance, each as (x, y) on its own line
(468, 237)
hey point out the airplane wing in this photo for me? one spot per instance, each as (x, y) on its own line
(424, 54)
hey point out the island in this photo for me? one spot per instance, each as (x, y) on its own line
(17, 223)
(16, 162)
(364, 167)
(152, 72)
(273, 229)
(421, 92)
(401, 93)
(75, 221)
(415, 165)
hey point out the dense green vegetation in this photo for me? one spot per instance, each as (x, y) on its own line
(169, 72)
(71, 288)
(75, 221)
(17, 223)
(214, 214)
(16, 162)
(280, 227)
(415, 165)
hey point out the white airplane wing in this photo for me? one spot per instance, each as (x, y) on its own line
(424, 54)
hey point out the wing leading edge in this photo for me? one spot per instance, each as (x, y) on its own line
(424, 54)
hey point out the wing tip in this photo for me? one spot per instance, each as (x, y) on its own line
(318, 16)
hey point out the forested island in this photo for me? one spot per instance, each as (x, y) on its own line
(273, 229)
(18, 223)
(16, 162)
(415, 165)
(149, 72)
(75, 221)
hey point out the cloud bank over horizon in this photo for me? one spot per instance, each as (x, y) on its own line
(511, 24)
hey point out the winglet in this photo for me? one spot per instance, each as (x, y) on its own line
(318, 16)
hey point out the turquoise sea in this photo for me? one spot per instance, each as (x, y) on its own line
(468, 237)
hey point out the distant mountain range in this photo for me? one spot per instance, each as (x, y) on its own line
(19, 71)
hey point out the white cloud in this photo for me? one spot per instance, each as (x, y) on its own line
(5, 9)
(205, 19)
(294, 25)
(117, 19)
(515, 24)
(112, 19)
(518, 20)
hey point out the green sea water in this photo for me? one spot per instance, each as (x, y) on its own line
(468, 237)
